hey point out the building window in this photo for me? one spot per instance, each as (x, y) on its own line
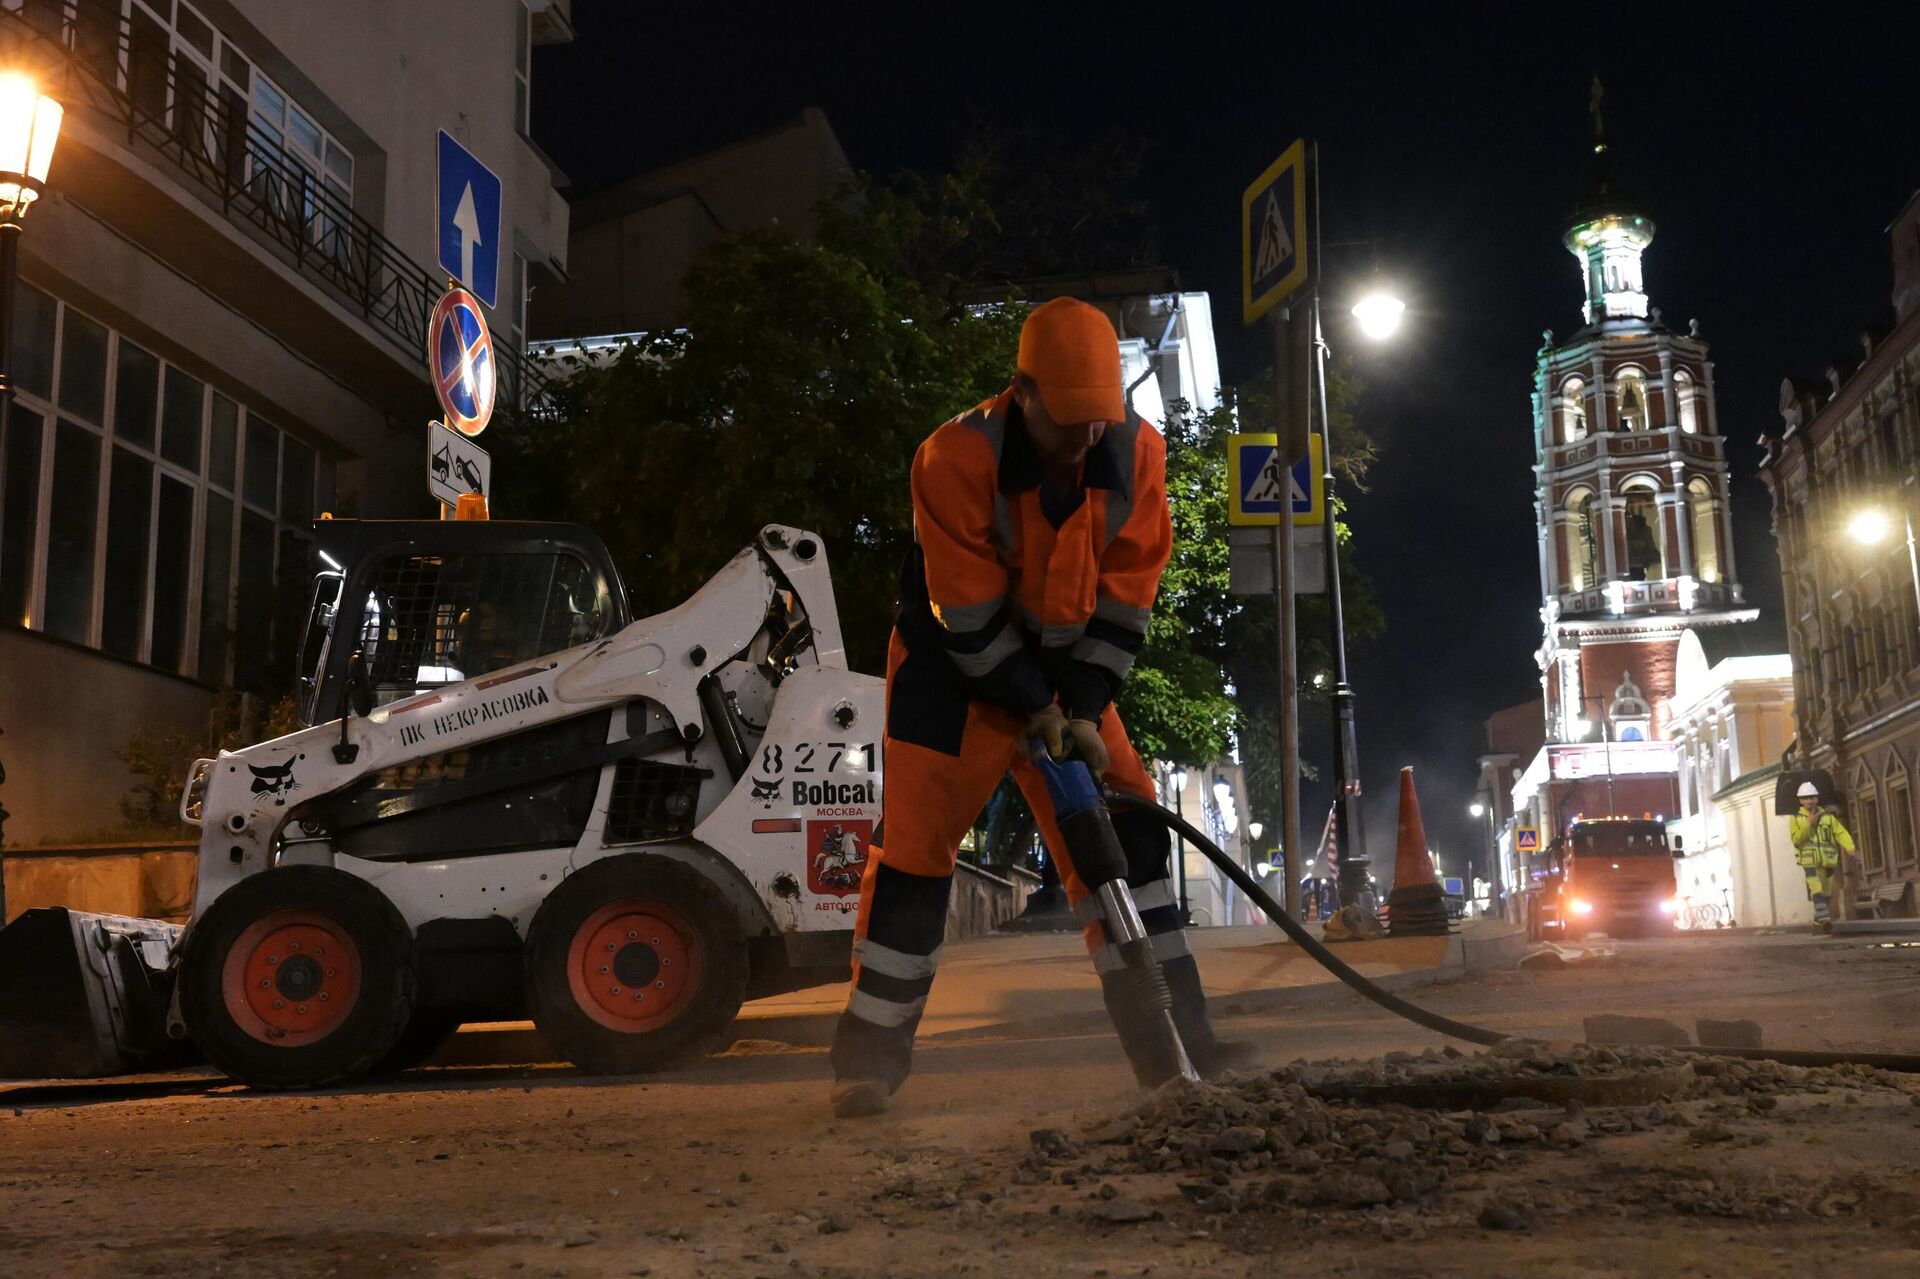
(522, 68)
(1573, 411)
(1706, 537)
(1633, 401)
(1581, 551)
(164, 497)
(1866, 835)
(1900, 846)
(1646, 533)
(517, 300)
(180, 70)
(1683, 393)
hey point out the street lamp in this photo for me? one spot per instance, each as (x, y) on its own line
(1378, 314)
(1870, 527)
(1476, 809)
(29, 128)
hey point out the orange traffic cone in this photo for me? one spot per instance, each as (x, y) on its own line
(1415, 907)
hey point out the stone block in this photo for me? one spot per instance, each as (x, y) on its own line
(1728, 1034)
(1613, 1028)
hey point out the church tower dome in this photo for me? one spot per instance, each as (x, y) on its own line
(1631, 499)
(1608, 235)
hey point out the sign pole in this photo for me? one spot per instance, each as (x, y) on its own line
(1274, 262)
(1355, 888)
(1281, 321)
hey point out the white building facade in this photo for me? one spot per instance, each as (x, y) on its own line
(220, 333)
(1732, 721)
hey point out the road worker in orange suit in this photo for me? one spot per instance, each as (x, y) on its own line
(1040, 531)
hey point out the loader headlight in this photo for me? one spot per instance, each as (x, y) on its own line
(1581, 906)
(193, 796)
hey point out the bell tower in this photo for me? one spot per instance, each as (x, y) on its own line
(1634, 525)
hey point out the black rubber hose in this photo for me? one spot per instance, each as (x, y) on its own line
(1293, 928)
(1298, 932)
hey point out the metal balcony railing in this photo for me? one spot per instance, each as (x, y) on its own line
(96, 61)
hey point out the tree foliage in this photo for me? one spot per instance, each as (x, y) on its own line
(806, 375)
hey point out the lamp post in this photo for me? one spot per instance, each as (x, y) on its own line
(29, 128)
(1378, 314)
(1606, 735)
(1177, 778)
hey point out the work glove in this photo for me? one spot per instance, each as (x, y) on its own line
(1048, 725)
(1088, 746)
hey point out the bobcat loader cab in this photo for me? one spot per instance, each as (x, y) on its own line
(510, 799)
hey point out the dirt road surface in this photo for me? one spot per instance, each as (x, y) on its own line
(735, 1169)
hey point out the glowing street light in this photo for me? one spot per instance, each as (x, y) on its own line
(29, 128)
(1477, 809)
(1379, 314)
(1869, 527)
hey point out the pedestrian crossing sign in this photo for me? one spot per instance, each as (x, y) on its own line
(1260, 483)
(1273, 233)
(1526, 839)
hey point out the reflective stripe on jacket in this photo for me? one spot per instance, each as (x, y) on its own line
(1031, 598)
(1819, 843)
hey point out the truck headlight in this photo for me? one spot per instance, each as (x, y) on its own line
(1581, 906)
(1671, 906)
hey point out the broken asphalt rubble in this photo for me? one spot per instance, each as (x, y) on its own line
(1353, 1137)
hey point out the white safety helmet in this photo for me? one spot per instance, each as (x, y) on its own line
(1808, 791)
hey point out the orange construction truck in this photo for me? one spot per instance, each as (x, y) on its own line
(1611, 875)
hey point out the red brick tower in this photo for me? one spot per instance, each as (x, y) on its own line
(1631, 488)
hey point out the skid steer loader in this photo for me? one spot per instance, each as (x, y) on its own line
(511, 799)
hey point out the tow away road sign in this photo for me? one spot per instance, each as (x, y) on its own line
(1260, 483)
(468, 219)
(1273, 233)
(460, 361)
(456, 465)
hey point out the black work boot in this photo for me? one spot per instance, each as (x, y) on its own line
(869, 1064)
(1211, 1055)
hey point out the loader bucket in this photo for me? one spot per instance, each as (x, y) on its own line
(84, 995)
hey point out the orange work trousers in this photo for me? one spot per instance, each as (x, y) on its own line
(945, 754)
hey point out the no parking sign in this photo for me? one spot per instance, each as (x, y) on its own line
(460, 357)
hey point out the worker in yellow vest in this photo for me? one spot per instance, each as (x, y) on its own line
(1818, 840)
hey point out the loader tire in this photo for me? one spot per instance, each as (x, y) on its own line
(297, 977)
(634, 964)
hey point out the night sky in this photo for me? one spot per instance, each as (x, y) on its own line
(1771, 153)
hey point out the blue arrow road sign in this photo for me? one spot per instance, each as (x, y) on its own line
(468, 219)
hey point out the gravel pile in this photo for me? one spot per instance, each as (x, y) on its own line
(1296, 1139)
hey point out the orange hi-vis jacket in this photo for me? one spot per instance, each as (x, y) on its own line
(1034, 595)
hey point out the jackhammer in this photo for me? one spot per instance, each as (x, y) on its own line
(1136, 993)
